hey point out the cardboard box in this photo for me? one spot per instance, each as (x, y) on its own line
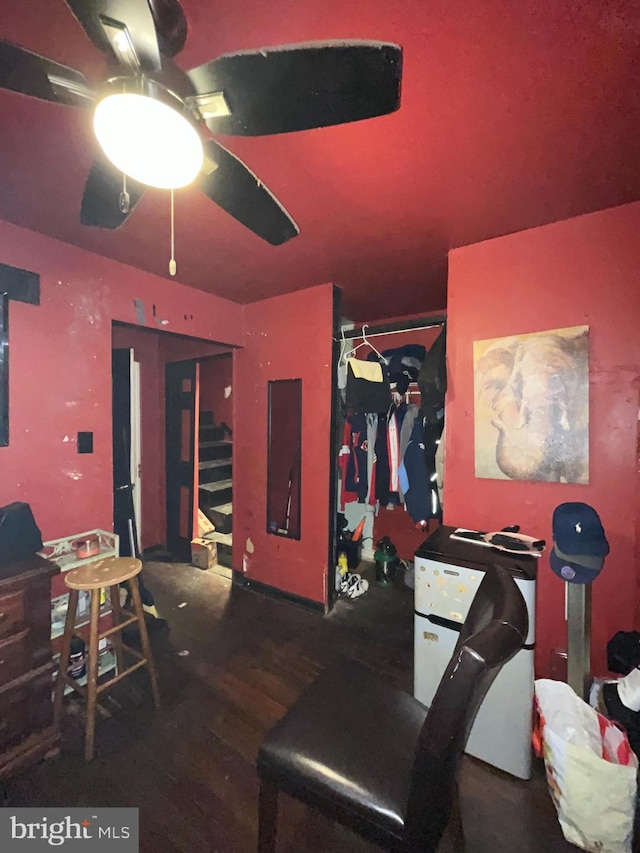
(204, 553)
(204, 524)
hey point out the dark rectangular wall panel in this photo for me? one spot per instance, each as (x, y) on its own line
(20, 285)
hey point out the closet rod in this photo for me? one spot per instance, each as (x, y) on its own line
(395, 328)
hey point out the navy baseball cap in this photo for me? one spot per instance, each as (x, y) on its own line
(572, 572)
(577, 529)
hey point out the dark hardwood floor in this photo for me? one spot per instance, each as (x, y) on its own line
(230, 664)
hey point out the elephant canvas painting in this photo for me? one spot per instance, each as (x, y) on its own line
(532, 406)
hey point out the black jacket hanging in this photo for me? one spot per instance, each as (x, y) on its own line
(432, 379)
(368, 388)
(382, 461)
(403, 364)
(422, 499)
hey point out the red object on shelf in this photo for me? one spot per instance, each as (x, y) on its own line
(87, 546)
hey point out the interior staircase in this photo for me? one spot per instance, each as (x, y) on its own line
(215, 449)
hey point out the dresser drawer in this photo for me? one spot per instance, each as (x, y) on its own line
(26, 709)
(12, 613)
(13, 720)
(13, 657)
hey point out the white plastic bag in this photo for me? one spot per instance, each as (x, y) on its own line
(591, 770)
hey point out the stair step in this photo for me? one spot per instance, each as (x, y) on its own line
(216, 486)
(221, 538)
(212, 432)
(221, 449)
(214, 463)
(222, 517)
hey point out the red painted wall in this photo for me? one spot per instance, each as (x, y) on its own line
(580, 271)
(216, 374)
(60, 371)
(287, 337)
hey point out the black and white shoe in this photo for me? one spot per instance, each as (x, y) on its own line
(353, 585)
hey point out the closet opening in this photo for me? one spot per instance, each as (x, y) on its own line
(391, 380)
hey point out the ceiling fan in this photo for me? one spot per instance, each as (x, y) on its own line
(149, 114)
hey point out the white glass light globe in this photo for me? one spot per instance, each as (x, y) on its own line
(148, 140)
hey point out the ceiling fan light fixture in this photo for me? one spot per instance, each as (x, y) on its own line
(148, 138)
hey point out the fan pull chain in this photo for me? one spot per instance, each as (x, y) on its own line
(172, 262)
(125, 198)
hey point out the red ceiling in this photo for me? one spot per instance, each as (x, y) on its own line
(513, 114)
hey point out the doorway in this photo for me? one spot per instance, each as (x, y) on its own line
(215, 455)
(140, 442)
(180, 393)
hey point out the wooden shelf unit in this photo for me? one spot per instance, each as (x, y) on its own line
(62, 552)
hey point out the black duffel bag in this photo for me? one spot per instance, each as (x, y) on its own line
(623, 652)
(20, 536)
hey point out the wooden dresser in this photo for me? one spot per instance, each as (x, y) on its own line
(27, 731)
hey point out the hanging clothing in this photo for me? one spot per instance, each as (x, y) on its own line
(440, 469)
(393, 451)
(395, 429)
(341, 375)
(410, 416)
(382, 461)
(357, 469)
(403, 364)
(358, 459)
(432, 434)
(389, 456)
(405, 436)
(372, 431)
(417, 493)
(368, 388)
(432, 379)
(344, 453)
(421, 496)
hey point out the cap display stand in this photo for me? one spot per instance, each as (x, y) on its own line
(578, 615)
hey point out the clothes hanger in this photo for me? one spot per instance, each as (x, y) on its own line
(349, 353)
(343, 344)
(364, 339)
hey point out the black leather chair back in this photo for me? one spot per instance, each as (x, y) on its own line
(495, 629)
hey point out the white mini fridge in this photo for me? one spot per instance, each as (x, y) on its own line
(448, 573)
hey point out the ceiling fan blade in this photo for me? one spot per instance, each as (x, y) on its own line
(171, 25)
(237, 190)
(124, 27)
(298, 87)
(102, 195)
(31, 74)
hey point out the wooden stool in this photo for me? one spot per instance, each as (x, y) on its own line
(95, 576)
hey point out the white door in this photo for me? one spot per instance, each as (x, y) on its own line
(136, 444)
